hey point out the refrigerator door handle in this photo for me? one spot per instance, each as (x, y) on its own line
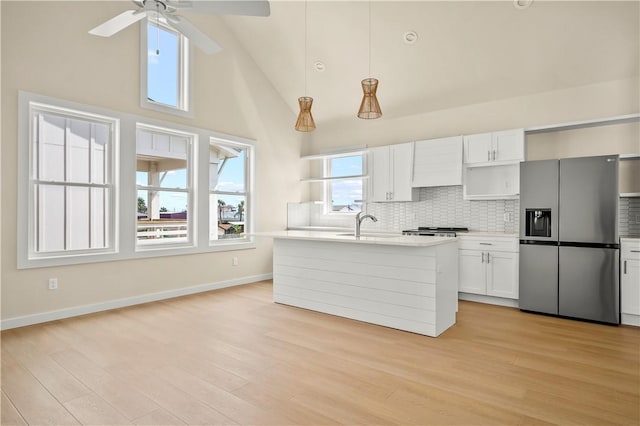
(625, 267)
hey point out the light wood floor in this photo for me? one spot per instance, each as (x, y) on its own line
(232, 356)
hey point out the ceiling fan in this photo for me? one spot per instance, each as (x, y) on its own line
(165, 11)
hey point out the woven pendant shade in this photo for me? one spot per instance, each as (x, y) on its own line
(305, 122)
(369, 107)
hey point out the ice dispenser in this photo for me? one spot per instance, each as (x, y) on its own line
(538, 222)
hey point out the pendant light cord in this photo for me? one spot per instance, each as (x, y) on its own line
(369, 38)
(157, 29)
(305, 48)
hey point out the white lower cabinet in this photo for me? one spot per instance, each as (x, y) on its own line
(630, 281)
(488, 266)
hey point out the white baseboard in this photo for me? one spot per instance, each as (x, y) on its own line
(491, 300)
(22, 321)
(630, 319)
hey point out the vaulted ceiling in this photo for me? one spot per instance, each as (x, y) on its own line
(466, 52)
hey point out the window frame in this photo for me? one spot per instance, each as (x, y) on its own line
(35, 108)
(248, 193)
(185, 73)
(190, 190)
(329, 180)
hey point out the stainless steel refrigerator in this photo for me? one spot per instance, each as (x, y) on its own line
(569, 246)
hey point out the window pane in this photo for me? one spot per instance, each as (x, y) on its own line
(50, 218)
(162, 216)
(78, 218)
(227, 216)
(51, 140)
(78, 146)
(99, 153)
(227, 173)
(99, 217)
(346, 195)
(162, 65)
(161, 160)
(346, 166)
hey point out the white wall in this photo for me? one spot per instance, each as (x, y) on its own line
(44, 51)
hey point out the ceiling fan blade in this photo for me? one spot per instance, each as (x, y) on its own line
(118, 23)
(197, 37)
(232, 7)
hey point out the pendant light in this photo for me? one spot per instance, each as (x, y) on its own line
(369, 107)
(305, 122)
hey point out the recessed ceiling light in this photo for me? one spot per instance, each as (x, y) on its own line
(522, 4)
(319, 66)
(410, 37)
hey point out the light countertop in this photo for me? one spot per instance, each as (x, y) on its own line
(365, 238)
(629, 239)
(488, 234)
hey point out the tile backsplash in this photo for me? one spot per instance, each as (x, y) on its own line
(629, 217)
(444, 206)
(439, 206)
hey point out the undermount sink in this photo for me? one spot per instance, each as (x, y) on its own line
(369, 235)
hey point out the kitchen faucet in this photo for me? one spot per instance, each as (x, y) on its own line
(359, 220)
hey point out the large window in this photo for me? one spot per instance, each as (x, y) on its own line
(345, 188)
(230, 189)
(165, 66)
(85, 197)
(72, 195)
(164, 186)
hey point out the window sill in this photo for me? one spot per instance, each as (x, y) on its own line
(167, 109)
(44, 262)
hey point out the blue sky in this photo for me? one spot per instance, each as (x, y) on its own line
(348, 191)
(162, 68)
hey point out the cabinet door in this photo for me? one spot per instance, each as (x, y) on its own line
(508, 145)
(471, 272)
(437, 162)
(630, 287)
(477, 148)
(502, 274)
(379, 174)
(401, 171)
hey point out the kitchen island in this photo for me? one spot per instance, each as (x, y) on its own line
(404, 282)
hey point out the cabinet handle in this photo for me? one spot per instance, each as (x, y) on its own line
(488, 258)
(486, 244)
(635, 251)
(494, 154)
(488, 155)
(625, 267)
(482, 257)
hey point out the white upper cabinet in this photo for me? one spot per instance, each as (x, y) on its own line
(495, 147)
(437, 162)
(390, 173)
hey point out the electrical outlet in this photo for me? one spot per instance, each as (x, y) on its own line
(507, 217)
(53, 283)
(234, 261)
(638, 219)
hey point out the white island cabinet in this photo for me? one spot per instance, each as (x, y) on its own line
(404, 282)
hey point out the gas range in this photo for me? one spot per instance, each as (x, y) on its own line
(435, 231)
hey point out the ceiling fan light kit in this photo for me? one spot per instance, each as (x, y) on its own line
(165, 11)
